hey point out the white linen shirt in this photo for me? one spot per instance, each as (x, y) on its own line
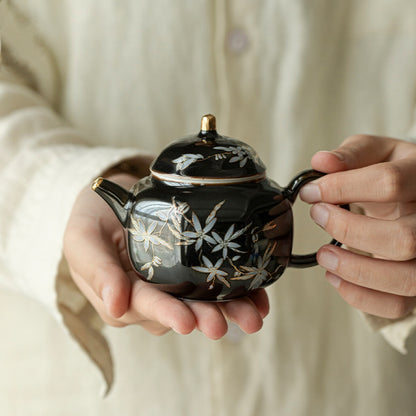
(86, 84)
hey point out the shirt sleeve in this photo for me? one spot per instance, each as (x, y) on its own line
(44, 163)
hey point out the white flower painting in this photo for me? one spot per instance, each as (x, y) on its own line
(182, 162)
(238, 154)
(234, 154)
(199, 235)
(147, 236)
(218, 251)
(214, 271)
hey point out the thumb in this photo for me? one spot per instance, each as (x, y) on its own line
(95, 260)
(355, 152)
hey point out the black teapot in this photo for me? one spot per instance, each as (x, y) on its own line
(207, 223)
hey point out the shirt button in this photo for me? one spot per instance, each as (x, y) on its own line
(237, 41)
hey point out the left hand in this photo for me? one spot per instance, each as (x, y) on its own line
(379, 175)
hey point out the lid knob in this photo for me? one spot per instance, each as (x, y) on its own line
(208, 123)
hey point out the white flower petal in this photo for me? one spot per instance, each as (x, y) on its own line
(218, 263)
(209, 239)
(235, 159)
(154, 239)
(217, 237)
(201, 269)
(208, 227)
(229, 233)
(190, 234)
(196, 223)
(207, 262)
(152, 227)
(216, 248)
(184, 165)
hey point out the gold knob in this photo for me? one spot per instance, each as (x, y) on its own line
(208, 123)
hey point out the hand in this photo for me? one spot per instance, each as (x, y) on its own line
(95, 250)
(379, 174)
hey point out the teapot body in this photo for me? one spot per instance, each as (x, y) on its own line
(212, 242)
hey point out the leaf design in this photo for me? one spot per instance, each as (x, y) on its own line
(182, 162)
(213, 213)
(156, 262)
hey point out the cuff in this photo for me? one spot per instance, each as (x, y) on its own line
(395, 331)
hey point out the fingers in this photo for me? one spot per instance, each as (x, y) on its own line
(387, 276)
(261, 301)
(151, 307)
(94, 256)
(379, 287)
(209, 319)
(394, 240)
(244, 313)
(384, 305)
(355, 152)
(382, 182)
(364, 169)
(248, 313)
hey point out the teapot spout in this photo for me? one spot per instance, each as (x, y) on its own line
(116, 197)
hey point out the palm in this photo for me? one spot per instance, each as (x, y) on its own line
(96, 252)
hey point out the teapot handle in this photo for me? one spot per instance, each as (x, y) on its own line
(291, 192)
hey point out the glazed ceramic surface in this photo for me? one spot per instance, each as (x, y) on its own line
(207, 223)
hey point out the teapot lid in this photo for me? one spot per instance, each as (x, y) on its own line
(208, 159)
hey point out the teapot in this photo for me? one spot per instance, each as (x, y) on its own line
(207, 223)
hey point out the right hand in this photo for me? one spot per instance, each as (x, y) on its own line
(94, 247)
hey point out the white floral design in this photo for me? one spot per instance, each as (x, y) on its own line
(213, 271)
(258, 273)
(156, 262)
(200, 234)
(240, 155)
(182, 162)
(146, 236)
(171, 222)
(227, 242)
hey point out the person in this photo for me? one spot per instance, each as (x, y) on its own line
(99, 88)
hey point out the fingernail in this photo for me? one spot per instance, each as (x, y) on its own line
(338, 155)
(328, 260)
(333, 280)
(320, 214)
(310, 193)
